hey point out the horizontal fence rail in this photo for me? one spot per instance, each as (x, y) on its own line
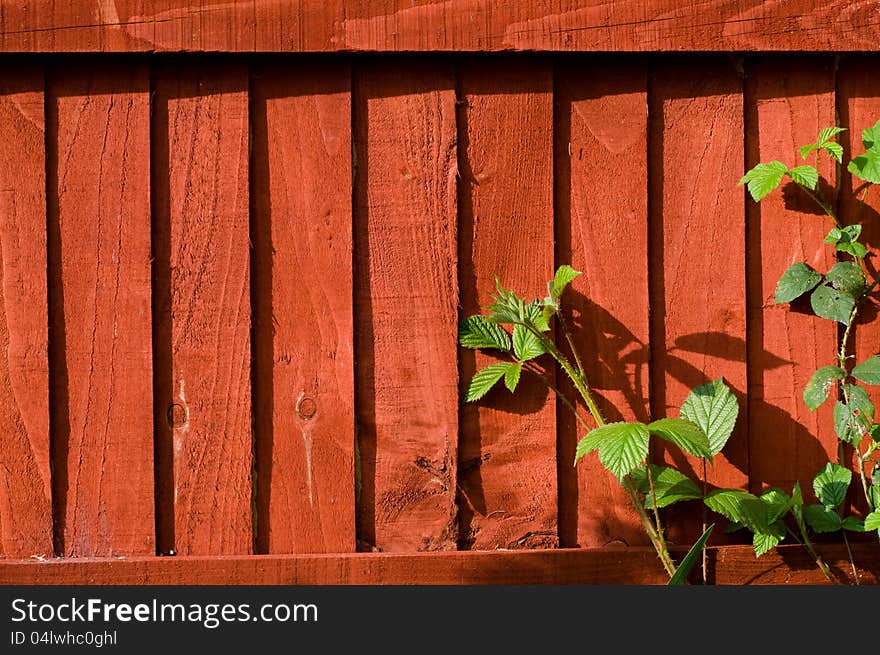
(231, 288)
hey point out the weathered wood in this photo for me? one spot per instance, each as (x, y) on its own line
(435, 25)
(99, 245)
(601, 203)
(698, 284)
(727, 565)
(202, 307)
(507, 451)
(25, 483)
(303, 382)
(406, 297)
(787, 102)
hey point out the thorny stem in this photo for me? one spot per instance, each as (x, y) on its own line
(653, 495)
(808, 546)
(851, 562)
(577, 360)
(536, 371)
(823, 205)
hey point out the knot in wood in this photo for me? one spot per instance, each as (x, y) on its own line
(306, 407)
(177, 415)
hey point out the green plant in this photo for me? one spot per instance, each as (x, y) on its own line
(837, 295)
(706, 422)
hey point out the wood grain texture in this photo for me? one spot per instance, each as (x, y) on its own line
(507, 451)
(202, 307)
(25, 483)
(435, 25)
(787, 103)
(302, 236)
(728, 565)
(858, 101)
(405, 299)
(602, 202)
(100, 309)
(698, 285)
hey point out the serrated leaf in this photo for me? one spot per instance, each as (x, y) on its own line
(854, 248)
(476, 332)
(526, 344)
(763, 542)
(831, 484)
(564, 275)
(828, 133)
(684, 434)
(511, 377)
(868, 371)
(714, 409)
(590, 442)
(809, 149)
(866, 167)
(670, 486)
(485, 379)
(871, 137)
(624, 447)
(853, 419)
(852, 524)
(739, 506)
(776, 502)
(832, 304)
(764, 178)
(805, 175)
(796, 281)
(845, 234)
(835, 150)
(847, 276)
(816, 391)
(872, 521)
(822, 519)
(687, 564)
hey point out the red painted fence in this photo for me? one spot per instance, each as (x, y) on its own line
(231, 282)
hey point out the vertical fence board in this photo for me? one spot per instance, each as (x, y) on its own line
(601, 202)
(787, 102)
(507, 454)
(303, 387)
(202, 332)
(698, 258)
(859, 104)
(100, 306)
(25, 483)
(405, 303)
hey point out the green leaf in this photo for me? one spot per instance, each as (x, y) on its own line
(739, 506)
(831, 484)
(476, 332)
(713, 408)
(776, 502)
(828, 133)
(511, 377)
(834, 150)
(806, 176)
(872, 521)
(871, 137)
(670, 486)
(507, 306)
(816, 391)
(564, 275)
(847, 276)
(868, 371)
(822, 519)
(866, 166)
(485, 379)
(764, 542)
(797, 496)
(732, 527)
(683, 434)
(590, 442)
(846, 234)
(624, 446)
(852, 524)
(854, 419)
(809, 149)
(683, 570)
(796, 281)
(832, 304)
(526, 344)
(764, 178)
(854, 248)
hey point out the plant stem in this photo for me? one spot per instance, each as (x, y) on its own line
(653, 494)
(536, 371)
(808, 546)
(851, 562)
(577, 360)
(656, 538)
(823, 205)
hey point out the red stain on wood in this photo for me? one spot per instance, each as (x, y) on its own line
(202, 290)
(405, 299)
(100, 259)
(507, 452)
(602, 230)
(25, 484)
(788, 102)
(303, 309)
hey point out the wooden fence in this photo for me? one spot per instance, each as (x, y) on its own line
(231, 282)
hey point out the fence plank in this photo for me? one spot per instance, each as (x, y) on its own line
(601, 202)
(507, 452)
(25, 483)
(858, 101)
(698, 258)
(303, 387)
(438, 25)
(99, 247)
(202, 307)
(787, 102)
(405, 302)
